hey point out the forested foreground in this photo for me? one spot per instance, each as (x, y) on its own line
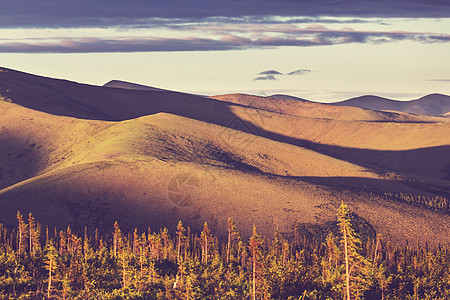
(156, 265)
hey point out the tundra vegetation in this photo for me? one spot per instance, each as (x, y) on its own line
(37, 263)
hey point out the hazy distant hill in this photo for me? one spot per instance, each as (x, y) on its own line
(278, 163)
(288, 97)
(130, 86)
(297, 107)
(432, 105)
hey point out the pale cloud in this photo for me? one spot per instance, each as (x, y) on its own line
(209, 37)
(440, 80)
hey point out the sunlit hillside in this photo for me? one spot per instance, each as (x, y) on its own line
(172, 156)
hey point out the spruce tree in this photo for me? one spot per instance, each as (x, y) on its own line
(22, 234)
(255, 245)
(357, 267)
(33, 234)
(331, 267)
(205, 242)
(181, 239)
(232, 233)
(51, 265)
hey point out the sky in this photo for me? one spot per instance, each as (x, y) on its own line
(324, 50)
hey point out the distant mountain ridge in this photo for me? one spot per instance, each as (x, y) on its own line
(431, 105)
(435, 104)
(288, 97)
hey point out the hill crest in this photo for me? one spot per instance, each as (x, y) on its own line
(431, 105)
(130, 86)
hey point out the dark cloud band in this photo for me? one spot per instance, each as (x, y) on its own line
(267, 77)
(63, 13)
(299, 72)
(270, 72)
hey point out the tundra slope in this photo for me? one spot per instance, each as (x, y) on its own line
(271, 168)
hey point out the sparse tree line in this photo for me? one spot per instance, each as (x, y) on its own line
(156, 265)
(438, 203)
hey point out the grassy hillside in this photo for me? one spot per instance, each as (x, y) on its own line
(158, 169)
(277, 164)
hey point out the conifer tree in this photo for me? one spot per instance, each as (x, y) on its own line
(117, 236)
(34, 234)
(143, 261)
(330, 262)
(156, 246)
(66, 288)
(181, 238)
(125, 263)
(357, 267)
(135, 242)
(167, 244)
(255, 249)
(279, 269)
(205, 241)
(22, 234)
(51, 265)
(232, 235)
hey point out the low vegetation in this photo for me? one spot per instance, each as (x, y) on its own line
(437, 203)
(156, 265)
(5, 99)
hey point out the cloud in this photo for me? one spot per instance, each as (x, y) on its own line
(98, 45)
(440, 80)
(205, 25)
(80, 13)
(299, 72)
(267, 77)
(218, 38)
(270, 72)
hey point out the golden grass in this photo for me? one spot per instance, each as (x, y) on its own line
(275, 163)
(140, 171)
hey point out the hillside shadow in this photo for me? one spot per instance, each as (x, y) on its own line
(60, 97)
(379, 186)
(372, 185)
(19, 159)
(431, 162)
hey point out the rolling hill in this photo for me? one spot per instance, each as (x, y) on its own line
(431, 105)
(65, 98)
(294, 106)
(152, 158)
(288, 97)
